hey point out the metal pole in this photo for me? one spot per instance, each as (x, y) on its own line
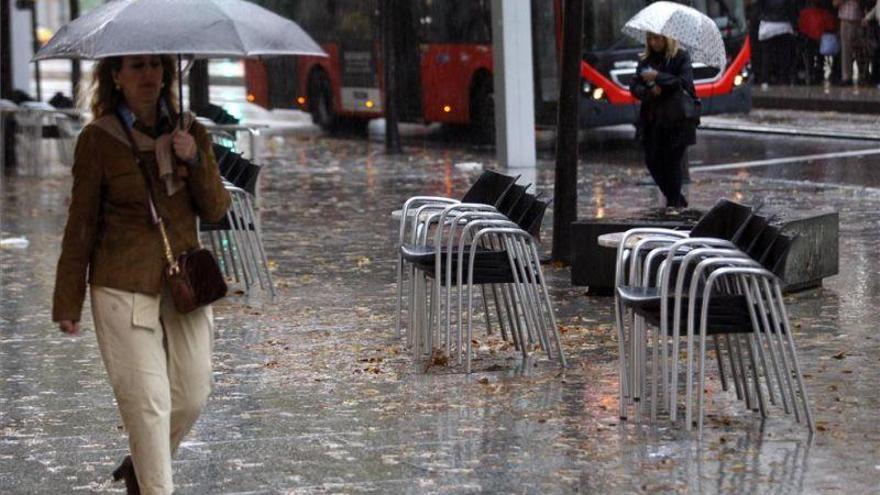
(36, 45)
(7, 150)
(565, 187)
(392, 134)
(180, 89)
(75, 68)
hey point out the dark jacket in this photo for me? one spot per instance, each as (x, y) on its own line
(673, 75)
(777, 11)
(110, 238)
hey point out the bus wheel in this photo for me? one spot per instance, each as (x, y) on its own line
(483, 112)
(321, 101)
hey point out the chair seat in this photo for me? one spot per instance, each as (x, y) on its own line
(727, 313)
(225, 224)
(427, 255)
(490, 266)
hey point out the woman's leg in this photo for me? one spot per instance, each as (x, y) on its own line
(766, 61)
(673, 158)
(654, 158)
(131, 339)
(189, 339)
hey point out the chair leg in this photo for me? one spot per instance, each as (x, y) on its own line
(501, 326)
(528, 287)
(549, 307)
(774, 317)
(622, 357)
(399, 274)
(486, 310)
(768, 331)
(720, 362)
(227, 245)
(742, 370)
(512, 318)
(756, 345)
(734, 374)
(797, 369)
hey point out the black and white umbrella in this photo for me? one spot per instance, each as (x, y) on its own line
(190, 28)
(691, 28)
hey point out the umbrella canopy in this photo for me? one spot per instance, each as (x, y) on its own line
(197, 28)
(691, 28)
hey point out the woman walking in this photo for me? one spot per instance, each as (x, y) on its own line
(157, 359)
(664, 81)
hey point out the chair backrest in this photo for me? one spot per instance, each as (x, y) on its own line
(507, 203)
(760, 248)
(232, 166)
(722, 221)
(521, 207)
(220, 151)
(749, 232)
(247, 177)
(777, 254)
(533, 218)
(489, 187)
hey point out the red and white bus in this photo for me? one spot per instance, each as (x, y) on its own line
(444, 62)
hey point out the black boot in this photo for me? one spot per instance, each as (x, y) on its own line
(126, 470)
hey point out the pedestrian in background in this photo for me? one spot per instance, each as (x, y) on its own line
(664, 76)
(776, 34)
(813, 22)
(157, 359)
(849, 12)
(871, 22)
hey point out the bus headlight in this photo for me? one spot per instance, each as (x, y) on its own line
(738, 80)
(598, 93)
(586, 87)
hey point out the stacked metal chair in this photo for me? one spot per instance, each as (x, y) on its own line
(237, 239)
(477, 244)
(38, 122)
(727, 286)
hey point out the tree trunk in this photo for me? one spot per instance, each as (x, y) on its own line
(6, 83)
(392, 135)
(565, 186)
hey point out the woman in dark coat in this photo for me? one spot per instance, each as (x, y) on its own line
(664, 70)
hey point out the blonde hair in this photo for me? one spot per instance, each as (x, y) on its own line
(104, 98)
(672, 48)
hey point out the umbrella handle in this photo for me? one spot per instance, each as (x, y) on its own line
(180, 90)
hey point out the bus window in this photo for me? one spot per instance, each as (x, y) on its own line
(603, 20)
(314, 16)
(455, 21)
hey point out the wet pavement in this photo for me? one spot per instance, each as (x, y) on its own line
(313, 394)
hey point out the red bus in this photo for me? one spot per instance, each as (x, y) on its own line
(444, 62)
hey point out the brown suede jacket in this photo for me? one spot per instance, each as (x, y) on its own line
(109, 231)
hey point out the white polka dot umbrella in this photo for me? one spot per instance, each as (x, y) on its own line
(691, 28)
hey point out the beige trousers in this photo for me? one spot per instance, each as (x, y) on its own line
(159, 364)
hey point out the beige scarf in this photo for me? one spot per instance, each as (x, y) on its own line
(169, 172)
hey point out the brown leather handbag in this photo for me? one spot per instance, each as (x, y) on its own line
(194, 277)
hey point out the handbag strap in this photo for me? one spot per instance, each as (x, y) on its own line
(173, 267)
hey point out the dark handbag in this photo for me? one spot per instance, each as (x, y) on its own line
(676, 108)
(194, 278)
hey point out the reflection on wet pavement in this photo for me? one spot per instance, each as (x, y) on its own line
(314, 395)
